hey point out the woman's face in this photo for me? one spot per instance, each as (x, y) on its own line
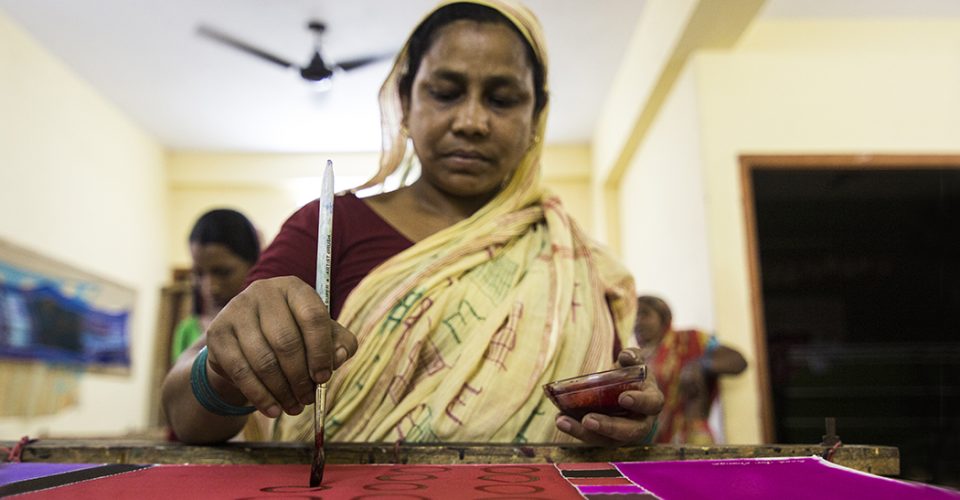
(218, 272)
(649, 326)
(470, 109)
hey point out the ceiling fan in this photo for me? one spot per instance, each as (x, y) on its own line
(316, 71)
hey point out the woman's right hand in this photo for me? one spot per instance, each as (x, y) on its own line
(274, 342)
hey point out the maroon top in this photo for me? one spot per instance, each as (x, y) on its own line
(362, 240)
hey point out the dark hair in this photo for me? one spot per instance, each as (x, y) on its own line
(423, 37)
(229, 228)
(659, 305)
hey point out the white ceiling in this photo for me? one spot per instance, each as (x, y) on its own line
(194, 94)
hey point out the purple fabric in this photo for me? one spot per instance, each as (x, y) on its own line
(763, 478)
(21, 471)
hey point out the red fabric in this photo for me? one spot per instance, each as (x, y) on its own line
(362, 240)
(532, 481)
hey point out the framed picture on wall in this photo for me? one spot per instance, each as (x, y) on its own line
(55, 313)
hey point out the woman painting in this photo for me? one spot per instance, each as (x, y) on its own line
(453, 298)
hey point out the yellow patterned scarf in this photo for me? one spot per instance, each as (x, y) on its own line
(458, 333)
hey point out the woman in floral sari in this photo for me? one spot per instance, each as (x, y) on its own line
(686, 363)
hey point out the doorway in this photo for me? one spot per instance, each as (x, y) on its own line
(856, 280)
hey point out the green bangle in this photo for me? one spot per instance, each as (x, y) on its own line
(206, 396)
(652, 434)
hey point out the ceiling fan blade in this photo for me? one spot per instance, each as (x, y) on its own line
(219, 36)
(362, 61)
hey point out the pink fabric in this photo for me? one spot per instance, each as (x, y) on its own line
(764, 478)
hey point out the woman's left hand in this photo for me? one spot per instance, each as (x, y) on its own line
(644, 406)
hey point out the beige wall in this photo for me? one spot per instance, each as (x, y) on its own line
(81, 184)
(663, 213)
(566, 172)
(789, 87)
(648, 53)
(646, 58)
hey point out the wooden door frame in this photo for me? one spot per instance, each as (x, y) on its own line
(749, 163)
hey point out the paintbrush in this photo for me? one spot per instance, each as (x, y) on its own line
(324, 238)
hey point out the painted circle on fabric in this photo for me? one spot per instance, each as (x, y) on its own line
(293, 489)
(394, 486)
(509, 478)
(504, 478)
(406, 477)
(510, 489)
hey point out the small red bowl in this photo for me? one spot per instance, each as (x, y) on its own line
(595, 392)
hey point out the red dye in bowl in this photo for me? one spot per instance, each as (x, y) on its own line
(595, 392)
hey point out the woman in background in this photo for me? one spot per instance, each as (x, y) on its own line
(224, 246)
(686, 364)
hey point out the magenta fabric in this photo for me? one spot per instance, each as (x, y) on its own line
(765, 478)
(613, 489)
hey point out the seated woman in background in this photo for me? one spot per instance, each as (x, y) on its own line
(686, 364)
(224, 246)
(453, 298)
